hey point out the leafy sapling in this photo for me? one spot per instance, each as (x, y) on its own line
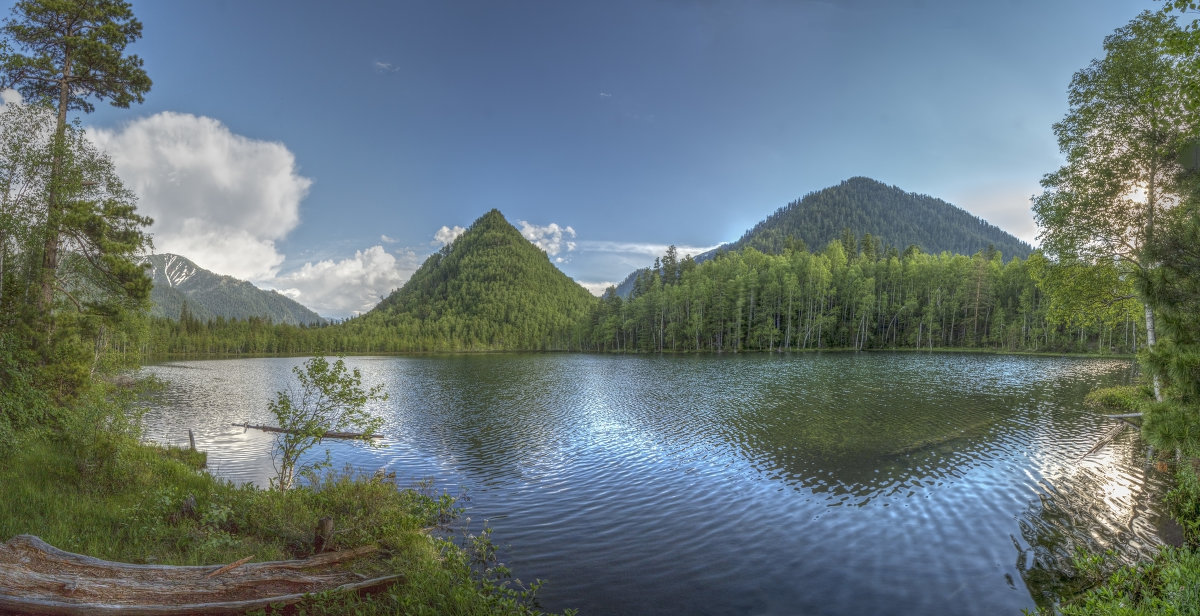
(330, 398)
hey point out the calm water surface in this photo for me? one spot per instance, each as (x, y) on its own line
(869, 483)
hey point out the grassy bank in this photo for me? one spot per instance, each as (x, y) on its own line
(106, 495)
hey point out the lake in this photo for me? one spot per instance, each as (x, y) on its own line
(832, 483)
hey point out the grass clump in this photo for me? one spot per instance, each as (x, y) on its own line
(1168, 584)
(1183, 502)
(1121, 399)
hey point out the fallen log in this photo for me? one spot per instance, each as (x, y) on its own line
(331, 434)
(37, 578)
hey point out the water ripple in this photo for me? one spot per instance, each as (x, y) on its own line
(833, 483)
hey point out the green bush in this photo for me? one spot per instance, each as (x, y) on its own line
(1121, 399)
(111, 497)
(1183, 501)
(1169, 584)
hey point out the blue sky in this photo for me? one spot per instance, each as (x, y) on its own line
(320, 147)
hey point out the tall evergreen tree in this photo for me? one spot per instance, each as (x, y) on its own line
(75, 52)
(1173, 290)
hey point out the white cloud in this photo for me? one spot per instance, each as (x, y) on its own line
(387, 240)
(641, 249)
(445, 235)
(597, 288)
(10, 96)
(349, 286)
(220, 199)
(550, 238)
(385, 67)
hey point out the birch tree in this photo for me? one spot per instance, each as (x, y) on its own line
(1121, 137)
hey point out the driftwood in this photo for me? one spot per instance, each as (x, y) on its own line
(355, 435)
(37, 578)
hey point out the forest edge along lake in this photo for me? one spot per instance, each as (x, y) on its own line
(838, 483)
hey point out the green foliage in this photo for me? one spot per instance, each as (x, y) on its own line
(23, 404)
(1126, 206)
(1183, 501)
(469, 581)
(748, 301)
(1186, 42)
(1101, 211)
(1121, 399)
(739, 301)
(77, 53)
(1173, 290)
(92, 325)
(331, 399)
(131, 509)
(1082, 293)
(1121, 138)
(1169, 584)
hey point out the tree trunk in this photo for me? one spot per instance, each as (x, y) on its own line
(1150, 339)
(54, 200)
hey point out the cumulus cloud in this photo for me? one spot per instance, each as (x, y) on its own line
(348, 286)
(445, 235)
(9, 96)
(551, 238)
(221, 199)
(387, 240)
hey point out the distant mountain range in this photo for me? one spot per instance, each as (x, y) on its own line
(492, 289)
(177, 281)
(894, 218)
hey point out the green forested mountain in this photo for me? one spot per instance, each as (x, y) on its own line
(867, 215)
(489, 289)
(179, 282)
(891, 216)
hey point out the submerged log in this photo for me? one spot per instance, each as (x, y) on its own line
(37, 578)
(331, 434)
(1104, 441)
